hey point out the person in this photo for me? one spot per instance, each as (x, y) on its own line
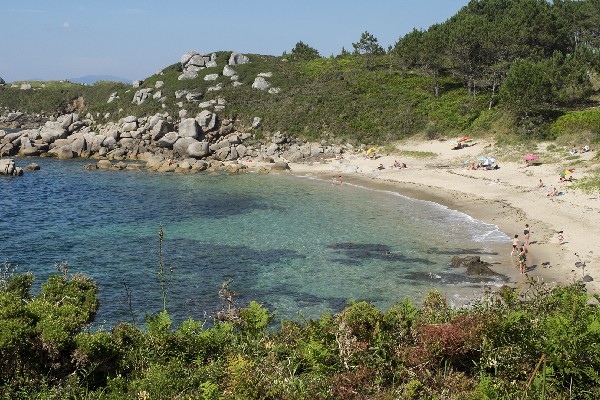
(515, 245)
(380, 166)
(560, 237)
(553, 192)
(540, 184)
(526, 233)
(341, 180)
(523, 259)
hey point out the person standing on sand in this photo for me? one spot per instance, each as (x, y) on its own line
(523, 260)
(526, 233)
(515, 245)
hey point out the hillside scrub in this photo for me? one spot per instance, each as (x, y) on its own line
(529, 67)
(539, 342)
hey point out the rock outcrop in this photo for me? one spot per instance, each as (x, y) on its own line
(475, 267)
(192, 62)
(194, 138)
(7, 167)
(237, 59)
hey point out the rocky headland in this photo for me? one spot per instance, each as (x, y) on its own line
(165, 142)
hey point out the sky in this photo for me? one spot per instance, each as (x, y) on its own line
(133, 39)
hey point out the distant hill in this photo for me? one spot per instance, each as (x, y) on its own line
(91, 79)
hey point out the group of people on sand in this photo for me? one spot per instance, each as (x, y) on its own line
(522, 250)
(482, 165)
(582, 149)
(396, 164)
(553, 192)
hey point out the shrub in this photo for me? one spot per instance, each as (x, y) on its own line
(457, 342)
(254, 319)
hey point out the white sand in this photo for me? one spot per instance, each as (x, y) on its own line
(506, 197)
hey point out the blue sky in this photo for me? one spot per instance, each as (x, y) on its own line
(59, 39)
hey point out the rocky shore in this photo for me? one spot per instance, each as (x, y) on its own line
(183, 142)
(189, 145)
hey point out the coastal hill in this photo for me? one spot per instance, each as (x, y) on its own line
(512, 70)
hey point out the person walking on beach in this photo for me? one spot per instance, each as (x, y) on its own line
(526, 233)
(523, 260)
(515, 245)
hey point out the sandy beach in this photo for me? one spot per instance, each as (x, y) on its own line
(507, 197)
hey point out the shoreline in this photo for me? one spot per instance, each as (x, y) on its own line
(506, 198)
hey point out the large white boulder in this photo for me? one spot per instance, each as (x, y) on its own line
(182, 144)
(238, 58)
(168, 140)
(198, 149)
(260, 83)
(189, 127)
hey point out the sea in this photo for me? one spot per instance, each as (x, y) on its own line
(300, 246)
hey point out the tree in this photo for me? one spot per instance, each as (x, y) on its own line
(369, 47)
(409, 49)
(303, 52)
(466, 42)
(527, 87)
(569, 77)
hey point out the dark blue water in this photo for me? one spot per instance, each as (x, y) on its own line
(296, 245)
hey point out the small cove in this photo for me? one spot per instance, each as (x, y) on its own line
(294, 244)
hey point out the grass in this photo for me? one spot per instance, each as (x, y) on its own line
(591, 183)
(417, 154)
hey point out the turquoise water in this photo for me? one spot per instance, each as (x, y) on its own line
(294, 244)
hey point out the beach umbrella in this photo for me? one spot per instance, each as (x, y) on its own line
(453, 142)
(529, 157)
(566, 172)
(372, 149)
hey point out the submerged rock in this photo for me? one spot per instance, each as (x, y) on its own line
(32, 167)
(474, 266)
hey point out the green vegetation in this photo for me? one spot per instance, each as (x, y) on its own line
(515, 71)
(417, 154)
(545, 347)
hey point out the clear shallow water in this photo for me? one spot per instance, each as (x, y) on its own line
(297, 245)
